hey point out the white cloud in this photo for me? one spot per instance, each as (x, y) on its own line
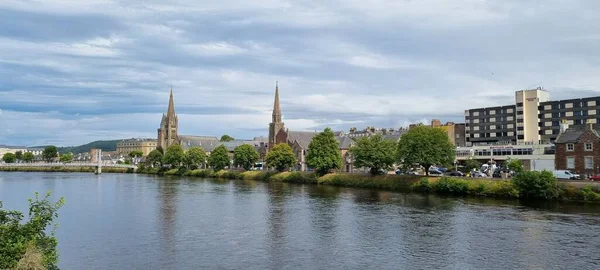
(213, 49)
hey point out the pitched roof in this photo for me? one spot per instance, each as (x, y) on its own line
(345, 142)
(572, 134)
(205, 142)
(303, 137)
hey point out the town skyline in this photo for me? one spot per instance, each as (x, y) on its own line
(337, 65)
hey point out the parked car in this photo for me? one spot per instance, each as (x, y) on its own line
(456, 173)
(595, 177)
(435, 171)
(478, 174)
(564, 174)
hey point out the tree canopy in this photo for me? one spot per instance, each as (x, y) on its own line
(219, 158)
(68, 157)
(28, 157)
(373, 152)
(426, 146)
(19, 155)
(49, 153)
(281, 157)
(324, 153)
(471, 164)
(226, 138)
(245, 156)
(515, 165)
(194, 157)
(173, 156)
(136, 153)
(16, 236)
(154, 158)
(9, 158)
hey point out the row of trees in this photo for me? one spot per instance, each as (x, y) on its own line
(49, 154)
(422, 145)
(244, 156)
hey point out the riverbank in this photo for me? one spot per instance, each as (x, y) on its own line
(441, 185)
(64, 169)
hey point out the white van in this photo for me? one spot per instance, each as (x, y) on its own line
(564, 174)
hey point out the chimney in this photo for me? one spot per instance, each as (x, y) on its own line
(590, 124)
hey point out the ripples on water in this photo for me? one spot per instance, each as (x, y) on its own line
(142, 222)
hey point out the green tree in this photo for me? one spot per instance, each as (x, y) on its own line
(194, 157)
(536, 185)
(219, 158)
(9, 158)
(514, 165)
(426, 146)
(471, 164)
(161, 150)
(68, 157)
(245, 156)
(174, 156)
(374, 153)
(226, 138)
(136, 153)
(324, 153)
(281, 157)
(15, 238)
(28, 157)
(19, 155)
(154, 158)
(49, 153)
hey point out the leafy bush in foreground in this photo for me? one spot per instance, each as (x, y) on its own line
(536, 185)
(15, 238)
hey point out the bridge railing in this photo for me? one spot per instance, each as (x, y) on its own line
(72, 164)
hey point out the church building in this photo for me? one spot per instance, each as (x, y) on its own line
(298, 140)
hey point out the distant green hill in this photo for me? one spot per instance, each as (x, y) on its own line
(104, 145)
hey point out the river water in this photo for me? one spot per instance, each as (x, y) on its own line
(126, 221)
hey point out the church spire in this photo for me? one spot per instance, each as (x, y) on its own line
(276, 106)
(171, 109)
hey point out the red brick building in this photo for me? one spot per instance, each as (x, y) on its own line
(578, 149)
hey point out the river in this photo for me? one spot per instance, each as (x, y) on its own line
(127, 221)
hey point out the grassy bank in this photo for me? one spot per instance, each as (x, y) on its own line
(444, 185)
(532, 185)
(64, 169)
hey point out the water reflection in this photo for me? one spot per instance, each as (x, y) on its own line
(167, 219)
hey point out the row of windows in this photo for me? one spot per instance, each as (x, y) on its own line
(496, 152)
(492, 135)
(492, 120)
(587, 147)
(569, 114)
(589, 163)
(493, 127)
(568, 105)
(489, 112)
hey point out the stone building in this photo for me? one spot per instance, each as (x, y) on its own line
(146, 146)
(578, 149)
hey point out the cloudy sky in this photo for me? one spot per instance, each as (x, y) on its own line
(76, 71)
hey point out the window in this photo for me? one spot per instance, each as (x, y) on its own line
(589, 162)
(548, 107)
(591, 103)
(589, 147)
(458, 136)
(570, 162)
(569, 114)
(569, 105)
(570, 147)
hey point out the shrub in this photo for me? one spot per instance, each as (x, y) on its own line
(589, 195)
(422, 186)
(503, 189)
(477, 187)
(452, 185)
(534, 184)
(172, 172)
(15, 238)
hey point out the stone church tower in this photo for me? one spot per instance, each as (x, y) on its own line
(167, 133)
(276, 124)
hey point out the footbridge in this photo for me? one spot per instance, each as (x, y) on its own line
(97, 165)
